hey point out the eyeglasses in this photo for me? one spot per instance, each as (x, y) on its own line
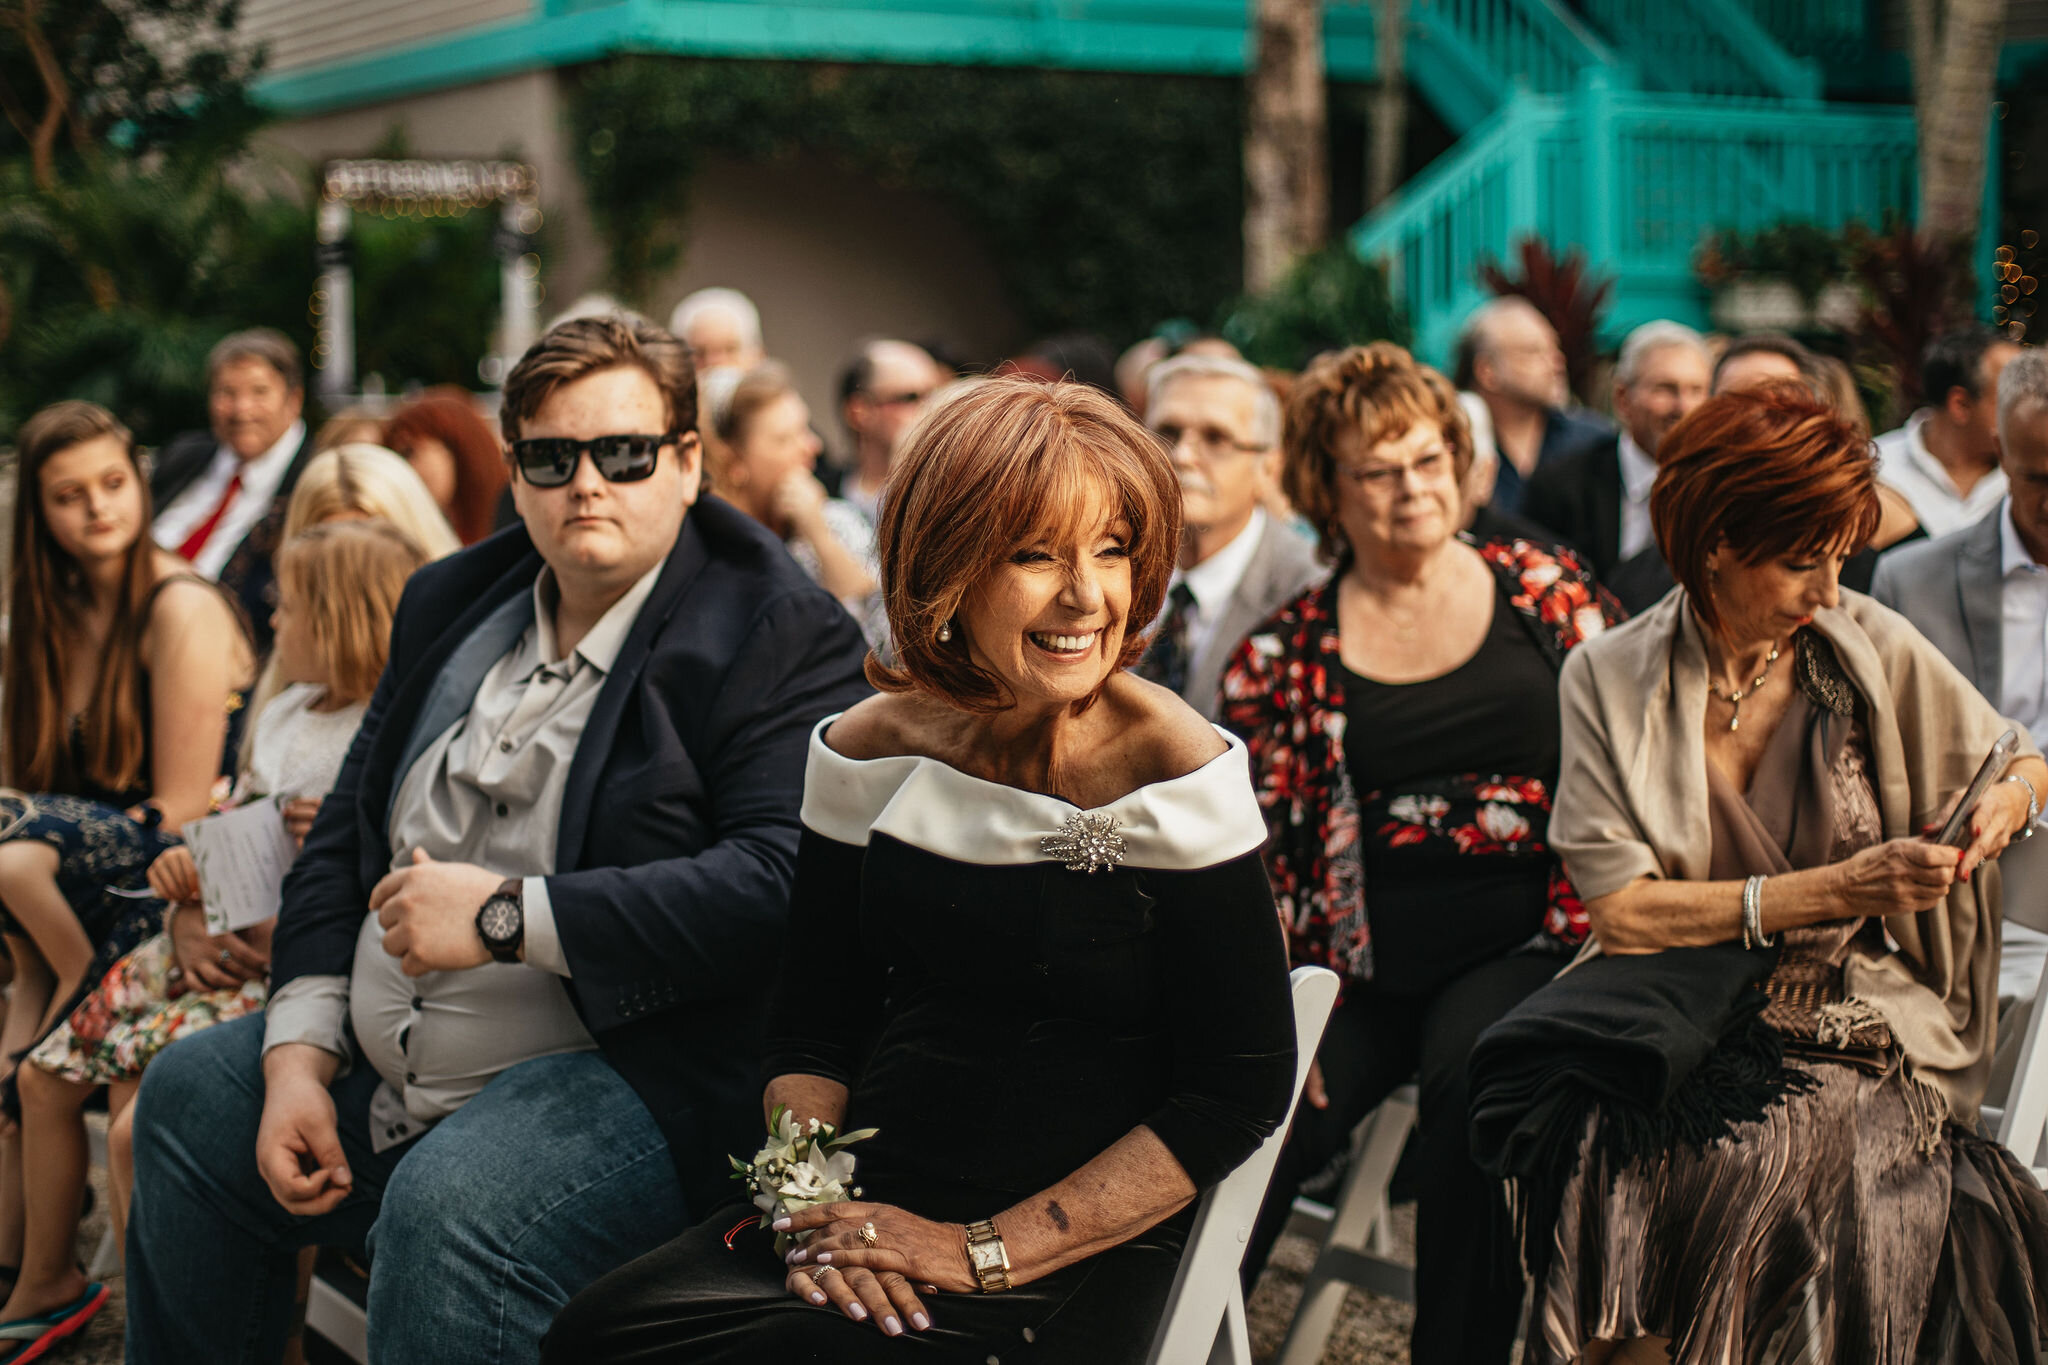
(909, 398)
(1428, 465)
(1206, 440)
(550, 461)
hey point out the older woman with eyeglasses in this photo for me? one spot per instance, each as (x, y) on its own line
(1403, 728)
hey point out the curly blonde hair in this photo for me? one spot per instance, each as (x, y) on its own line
(1377, 392)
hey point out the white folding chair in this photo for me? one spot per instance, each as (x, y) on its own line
(340, 1319)
(1204, 1319)
(106, 1258)
(2019, 1121)
(1357, 1241)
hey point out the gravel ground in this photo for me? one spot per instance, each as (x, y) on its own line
(1370, 1331)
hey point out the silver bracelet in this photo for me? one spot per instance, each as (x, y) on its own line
(1753, 915)
(2033, 805)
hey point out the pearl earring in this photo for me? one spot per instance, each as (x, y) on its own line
(945, 632)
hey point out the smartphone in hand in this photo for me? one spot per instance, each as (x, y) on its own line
(1956, 833)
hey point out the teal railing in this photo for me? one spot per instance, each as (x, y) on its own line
(1635, 179)
(1835, 33)
(1531, 43)
(1701, 47)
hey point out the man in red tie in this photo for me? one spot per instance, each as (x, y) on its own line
(221, 494)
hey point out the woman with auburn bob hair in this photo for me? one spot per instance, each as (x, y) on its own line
(1402, 725)
(1031, 942)
(457, 456)
(1749, 771)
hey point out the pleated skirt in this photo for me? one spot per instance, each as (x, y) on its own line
(1825, 1232)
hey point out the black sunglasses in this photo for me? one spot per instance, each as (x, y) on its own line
(550, 461)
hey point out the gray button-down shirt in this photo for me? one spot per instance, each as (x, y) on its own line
(487, 790)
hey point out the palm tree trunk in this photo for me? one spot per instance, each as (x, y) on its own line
(1955, 75)
(1389, 132)
(1286, 165)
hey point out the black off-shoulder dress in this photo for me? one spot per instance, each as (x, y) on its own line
(1002, 1019)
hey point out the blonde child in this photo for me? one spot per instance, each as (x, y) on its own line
(338, 585)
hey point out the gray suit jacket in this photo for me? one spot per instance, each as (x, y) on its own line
(1951, 590)
(1282, 567)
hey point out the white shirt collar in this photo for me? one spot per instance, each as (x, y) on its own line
(1922, 459)
(1197, 820)
(1214, 579)
(2012, 552)
(1638, 470)
(266, 471)
(601, 644)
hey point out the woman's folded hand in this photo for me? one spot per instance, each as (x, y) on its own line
(1896, 877)
(878, 1282)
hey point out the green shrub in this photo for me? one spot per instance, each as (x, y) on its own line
(1328, 300)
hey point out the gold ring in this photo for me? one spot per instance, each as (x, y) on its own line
(868, 1235)
(819, 1272)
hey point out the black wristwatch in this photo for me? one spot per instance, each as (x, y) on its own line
(501, 920)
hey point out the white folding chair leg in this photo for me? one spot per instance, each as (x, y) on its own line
(1233, 1338)
(106, 1258)
(337, 1317)
(1204, 1318)
(1359, 1245)
(2019, 1123)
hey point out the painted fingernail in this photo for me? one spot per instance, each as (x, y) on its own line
(780, 1225)
(817, 1297)
(920, 1321)
(856, 1312)
(824, 1258)
(797, 1257)
(892, 1327)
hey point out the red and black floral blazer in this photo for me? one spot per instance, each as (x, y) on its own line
(1282, 695)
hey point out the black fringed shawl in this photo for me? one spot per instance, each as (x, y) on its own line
(1669, 1046)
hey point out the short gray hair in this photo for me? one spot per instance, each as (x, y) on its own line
(1265, 406)
(745, 317)
(2023, 383)
(1655, 336)
(266, 344)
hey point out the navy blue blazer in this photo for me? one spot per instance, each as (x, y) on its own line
(678, 833)
(249, 576)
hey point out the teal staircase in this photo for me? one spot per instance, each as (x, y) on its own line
(1629, 129)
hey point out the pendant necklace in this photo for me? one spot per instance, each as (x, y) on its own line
(1735, 699)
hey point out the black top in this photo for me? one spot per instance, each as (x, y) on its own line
(1452, 877)
(1003, 1024)
(679, 821)
(78, 783)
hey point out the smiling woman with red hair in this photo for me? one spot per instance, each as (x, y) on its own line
(1748, 768)
(1031, 941)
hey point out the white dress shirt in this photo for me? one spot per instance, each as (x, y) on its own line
(182, 515)
(2023, 633)
(488, 790)
(1214, 580)
(1638, 476)
(1908, 466)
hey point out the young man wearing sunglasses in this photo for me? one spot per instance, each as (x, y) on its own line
(518, 969)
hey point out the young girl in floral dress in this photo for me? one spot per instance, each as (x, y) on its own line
(338, 585)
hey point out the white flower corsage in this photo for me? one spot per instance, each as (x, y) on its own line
(801, 1165)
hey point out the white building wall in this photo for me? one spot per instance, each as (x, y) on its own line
(300, 33)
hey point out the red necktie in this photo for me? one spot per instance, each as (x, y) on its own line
(196, 542)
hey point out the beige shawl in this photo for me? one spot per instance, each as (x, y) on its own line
(1632, 802)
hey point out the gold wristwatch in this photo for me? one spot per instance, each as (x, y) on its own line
(988, 1257)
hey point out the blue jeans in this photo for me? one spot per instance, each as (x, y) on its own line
(479, 1230)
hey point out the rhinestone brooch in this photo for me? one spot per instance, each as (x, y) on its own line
(1085, 843)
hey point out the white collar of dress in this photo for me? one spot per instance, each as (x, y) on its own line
(1199, 819)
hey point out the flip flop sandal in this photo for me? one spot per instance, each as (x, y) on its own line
(39, 1334)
